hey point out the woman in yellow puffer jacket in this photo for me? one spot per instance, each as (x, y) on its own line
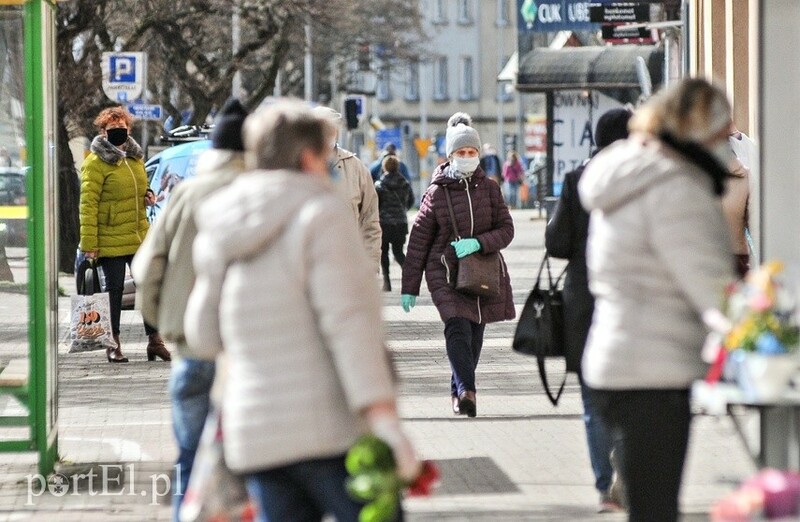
(113, 220)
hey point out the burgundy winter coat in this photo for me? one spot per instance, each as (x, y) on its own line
(432, 234)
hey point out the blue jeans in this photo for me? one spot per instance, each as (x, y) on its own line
(303, 492)
(464, 340)
(600, 440)
(511, 191)
(190, 392)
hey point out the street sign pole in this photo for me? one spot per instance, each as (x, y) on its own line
(145, 137)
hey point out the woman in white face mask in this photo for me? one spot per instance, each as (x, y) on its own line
(484, 225)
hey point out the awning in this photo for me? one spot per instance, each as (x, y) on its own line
(608, 67)
(510, 70)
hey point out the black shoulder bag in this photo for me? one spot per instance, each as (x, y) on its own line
(540, 330)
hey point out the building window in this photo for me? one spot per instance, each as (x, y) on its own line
(466, 88)
(440, 79)
(439, 12)
(412, 81)
(464, 12)
(383, 91)
(503, 15)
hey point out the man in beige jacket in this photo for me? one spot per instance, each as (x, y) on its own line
(165, 277)
(354, 183)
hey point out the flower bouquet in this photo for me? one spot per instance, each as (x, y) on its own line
(759, 352)
(373, 480)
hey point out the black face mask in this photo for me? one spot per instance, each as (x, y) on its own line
(117, 137)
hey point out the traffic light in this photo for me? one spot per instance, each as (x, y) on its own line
(363, 57)
(351, 113)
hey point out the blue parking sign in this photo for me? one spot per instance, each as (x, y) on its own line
(122, 69)
(385, 136)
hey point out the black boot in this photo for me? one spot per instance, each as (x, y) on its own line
(387, 284)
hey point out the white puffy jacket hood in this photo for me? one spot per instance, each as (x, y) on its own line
(623, 171)
(259, 213)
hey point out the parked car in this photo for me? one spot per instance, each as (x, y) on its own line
(168, 168)
(14, 205)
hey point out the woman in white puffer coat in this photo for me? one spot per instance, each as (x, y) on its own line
(284, 286)
(659, 257)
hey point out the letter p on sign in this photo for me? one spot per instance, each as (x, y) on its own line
(123, 69)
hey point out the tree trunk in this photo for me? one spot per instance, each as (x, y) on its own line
(68, 199)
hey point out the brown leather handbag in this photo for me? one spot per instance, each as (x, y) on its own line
(477, 274)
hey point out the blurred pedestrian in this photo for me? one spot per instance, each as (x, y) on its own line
(565, 237)
(513, 176)
(113, 220)
(481, 213)
(376, 167)
(659, 260)
(355, 184)
(165, 276)
(284, 286)
(735, 205)
(394, 200)
(491, 164)
(736, 202)
(743, 147)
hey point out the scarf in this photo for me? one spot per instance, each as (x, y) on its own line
(452, 173)
(697, 154)
(111, 154)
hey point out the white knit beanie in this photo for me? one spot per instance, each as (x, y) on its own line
(461, 136)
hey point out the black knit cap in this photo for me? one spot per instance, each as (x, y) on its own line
(227, 133)
(612, 126)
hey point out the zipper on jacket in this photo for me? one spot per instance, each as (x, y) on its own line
(471, 215)
(136, 190)
(472, 234)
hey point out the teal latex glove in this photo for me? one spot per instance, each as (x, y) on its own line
(465, 247)
(408, 301)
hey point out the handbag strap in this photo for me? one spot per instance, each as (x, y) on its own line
(93, 286)
(451, 212)
(543, 377)
(546, 263)
(540, 360)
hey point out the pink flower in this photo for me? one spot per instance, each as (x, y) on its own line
(759, 302)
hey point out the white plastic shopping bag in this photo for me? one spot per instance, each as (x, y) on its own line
(90, 320)
(214, 492)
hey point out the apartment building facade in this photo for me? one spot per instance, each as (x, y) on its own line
(469, 43)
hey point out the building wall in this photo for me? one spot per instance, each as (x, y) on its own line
(720, 41)
(479, 37)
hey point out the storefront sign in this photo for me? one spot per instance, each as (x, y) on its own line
(563, 15)
(619, 13)
(575, 115)
(626, 34)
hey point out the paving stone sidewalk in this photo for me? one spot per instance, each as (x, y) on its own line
(519, 460)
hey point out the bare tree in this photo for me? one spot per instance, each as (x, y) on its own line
(191, 61)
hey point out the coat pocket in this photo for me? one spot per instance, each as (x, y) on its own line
(104, 214)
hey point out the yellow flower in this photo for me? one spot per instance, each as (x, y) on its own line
(739, 333)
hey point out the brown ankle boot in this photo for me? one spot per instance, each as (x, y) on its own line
(156, 348)
(115, 354)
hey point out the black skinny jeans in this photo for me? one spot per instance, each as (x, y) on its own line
(654, 426)
(394, 236)
(464, 340)
(114, 272)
